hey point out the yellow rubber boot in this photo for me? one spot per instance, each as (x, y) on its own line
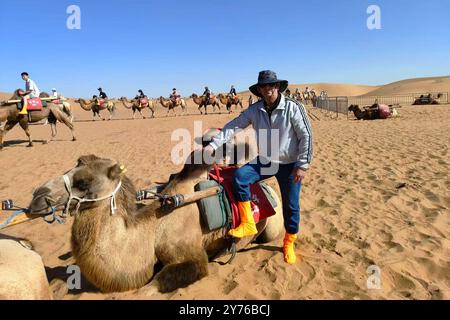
(24, 108)
(247, 226)
(288, 248)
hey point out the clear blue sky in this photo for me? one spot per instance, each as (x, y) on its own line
(126, 45)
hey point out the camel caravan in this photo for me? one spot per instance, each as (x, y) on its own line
(122, 244)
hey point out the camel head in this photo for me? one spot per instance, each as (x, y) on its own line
(353, 107)
(91, 183)
(194, 95)
(18, 93)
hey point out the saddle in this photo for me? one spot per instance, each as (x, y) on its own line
(57, 101)
(34, 104)
(143, 102)
(100, 102)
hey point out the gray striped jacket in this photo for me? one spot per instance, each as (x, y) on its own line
(289, 127)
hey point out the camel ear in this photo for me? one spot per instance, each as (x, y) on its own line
(116, 171)
(84, 160)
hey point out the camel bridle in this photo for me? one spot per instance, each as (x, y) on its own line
(111, 196)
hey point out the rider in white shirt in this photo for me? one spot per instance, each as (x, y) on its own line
(31, 91)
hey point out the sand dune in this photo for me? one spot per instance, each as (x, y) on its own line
(417, 85)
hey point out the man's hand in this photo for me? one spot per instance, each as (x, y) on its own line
(298, 174)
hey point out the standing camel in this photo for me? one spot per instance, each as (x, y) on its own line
(171, 105)
(96, 108)
(201, 102)
(117, 244)
(229, 101)
(9, 112)
(137, 105)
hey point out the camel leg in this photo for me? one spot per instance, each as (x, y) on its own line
(54, 132)
(61, 117)
(24, 126)
(178, 275)
(199, 109)
(143, 117)
(8, 126)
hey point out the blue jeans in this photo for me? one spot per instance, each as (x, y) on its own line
(290, 191)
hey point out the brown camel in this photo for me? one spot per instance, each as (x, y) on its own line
(117, 250)
(9, 112)
(426, 100)
(93, 106)
(201, 102)
(229, 101)
(136, 106)
(367, 114)
(171, 105)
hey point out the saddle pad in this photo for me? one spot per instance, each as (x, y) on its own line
(34, 104)
(143, 101)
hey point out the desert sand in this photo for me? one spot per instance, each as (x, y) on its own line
(378, 193)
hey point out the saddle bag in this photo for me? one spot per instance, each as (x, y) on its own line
(215, 211)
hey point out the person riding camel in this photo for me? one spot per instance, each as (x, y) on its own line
(31, 91)
(233, 93)
(55, 93)
(207, 94)
(288, 161)
(175, 96)
(102, 95)
(141, 95)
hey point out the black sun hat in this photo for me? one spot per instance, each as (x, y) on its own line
(267, 77)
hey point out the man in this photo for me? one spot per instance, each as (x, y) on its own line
(207, 94)
(273, 112)
(54, 93)
(102, 95)
(174, 96)
(31, 91)
(141, 94)
(232, 92)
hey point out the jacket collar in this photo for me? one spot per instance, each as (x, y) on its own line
(281, 104)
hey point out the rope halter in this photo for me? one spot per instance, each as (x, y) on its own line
(112, 196)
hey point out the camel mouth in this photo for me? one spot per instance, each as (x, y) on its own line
(44, 205)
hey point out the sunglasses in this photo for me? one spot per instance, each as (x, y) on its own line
(271, 85)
